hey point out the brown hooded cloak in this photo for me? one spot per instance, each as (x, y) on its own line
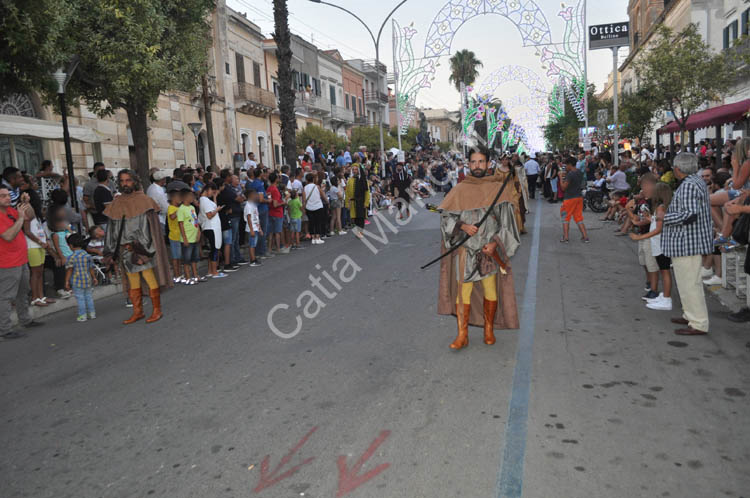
(467, 202)
(140, 214)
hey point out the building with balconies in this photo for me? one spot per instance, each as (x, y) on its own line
(375, 90)
(340, 119)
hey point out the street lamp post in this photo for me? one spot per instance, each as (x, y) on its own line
(62, 77)
(375, 41)
(196, 129)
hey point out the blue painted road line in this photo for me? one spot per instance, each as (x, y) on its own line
(510, 476)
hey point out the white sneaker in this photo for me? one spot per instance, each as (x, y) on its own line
(714, 280)
(706, 273)
(663, 304)
(342, 232)
(321, 241)
(655, 299)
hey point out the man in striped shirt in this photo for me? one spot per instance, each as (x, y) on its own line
(12, 178)
(687, 235)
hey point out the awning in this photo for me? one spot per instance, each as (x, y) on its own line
(716, 116)
(23, 127)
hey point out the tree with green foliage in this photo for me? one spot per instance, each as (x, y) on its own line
(408, 141)
(33, 34)
(132, 51)
(562, 133)
(369, 136)
(283, 37)
(637, 111)
(464, 68)
(684, 74)
(321, 136)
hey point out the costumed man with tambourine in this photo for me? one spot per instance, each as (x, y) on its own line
(479, 236)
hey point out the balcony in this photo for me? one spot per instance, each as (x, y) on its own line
(253, 100)
(360, 120)
(311, 105)
(376, 99)
(369, 67)
(342, 115)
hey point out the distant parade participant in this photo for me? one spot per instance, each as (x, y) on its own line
(134, 239)
(479, 236)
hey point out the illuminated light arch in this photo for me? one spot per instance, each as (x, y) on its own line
(525, 14)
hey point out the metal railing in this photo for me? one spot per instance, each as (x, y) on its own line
(375, 98)
(342, 114)
(249, 93)
(312, 103)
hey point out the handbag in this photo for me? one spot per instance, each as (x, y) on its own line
(741, 229)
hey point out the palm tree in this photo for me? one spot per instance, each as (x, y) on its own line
(464, 68)
(283, 39)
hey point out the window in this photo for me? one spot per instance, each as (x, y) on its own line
(316, 86)
(277, 153)
(360, 105)
(295, 80)
(239, 62)
(354, 104)
(275, 87)
(730, 34)
(256, 74)
(346, 100)
(746, 23)
(226, 67)
(332, 89)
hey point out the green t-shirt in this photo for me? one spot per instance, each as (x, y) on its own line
(186, 215)
(295, 208)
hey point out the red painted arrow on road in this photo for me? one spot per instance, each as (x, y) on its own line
(268, 479)
(349, 479)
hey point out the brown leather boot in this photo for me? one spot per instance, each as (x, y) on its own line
(462, 339)
(156, 302)
(135, 298)
(490, 307)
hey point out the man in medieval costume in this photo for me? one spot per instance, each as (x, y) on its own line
(476, 279)
(134, 239)
(505, 168)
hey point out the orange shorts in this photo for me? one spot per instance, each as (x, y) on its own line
(572, 208)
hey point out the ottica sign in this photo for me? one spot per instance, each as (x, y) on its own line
(609, 35)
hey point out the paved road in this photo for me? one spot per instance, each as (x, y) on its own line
(368, 401)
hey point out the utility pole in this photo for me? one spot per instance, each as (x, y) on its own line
(396, 77)
(615, 51)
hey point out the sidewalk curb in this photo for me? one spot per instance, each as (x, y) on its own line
(38, 312)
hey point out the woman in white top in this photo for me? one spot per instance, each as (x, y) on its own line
(314, 198)
(36, 244)
(211, 225)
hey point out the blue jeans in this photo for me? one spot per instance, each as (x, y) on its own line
(85, 299)
(260, 250)
(234, 221)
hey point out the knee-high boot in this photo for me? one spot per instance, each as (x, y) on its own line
(490, 307)
(156, 302)
(462, 314)
(135, 298)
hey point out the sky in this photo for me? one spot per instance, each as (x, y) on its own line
(495, 40)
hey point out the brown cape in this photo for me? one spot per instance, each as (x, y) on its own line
(477, 193)
(136, 204)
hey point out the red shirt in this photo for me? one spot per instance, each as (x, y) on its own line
(12, 253)
(276, 212)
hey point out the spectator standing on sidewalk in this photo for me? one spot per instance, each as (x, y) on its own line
(258, 184)
(80, 277)
(571, 183)
(686, 236)
(275, 215)
(532, 173)
(14, 271)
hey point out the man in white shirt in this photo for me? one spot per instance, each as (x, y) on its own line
(157, 193)
(296, 184)
(310, 151)
(250, 163)
(532, 173)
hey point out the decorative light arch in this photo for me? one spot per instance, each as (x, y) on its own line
(525, 14)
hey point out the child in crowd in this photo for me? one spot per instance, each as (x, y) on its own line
(661, 198)
(252, 224)
(190, 233)
(295, 219)
(59, 249)
(80, 276)
(639, 212)
(175, 248)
